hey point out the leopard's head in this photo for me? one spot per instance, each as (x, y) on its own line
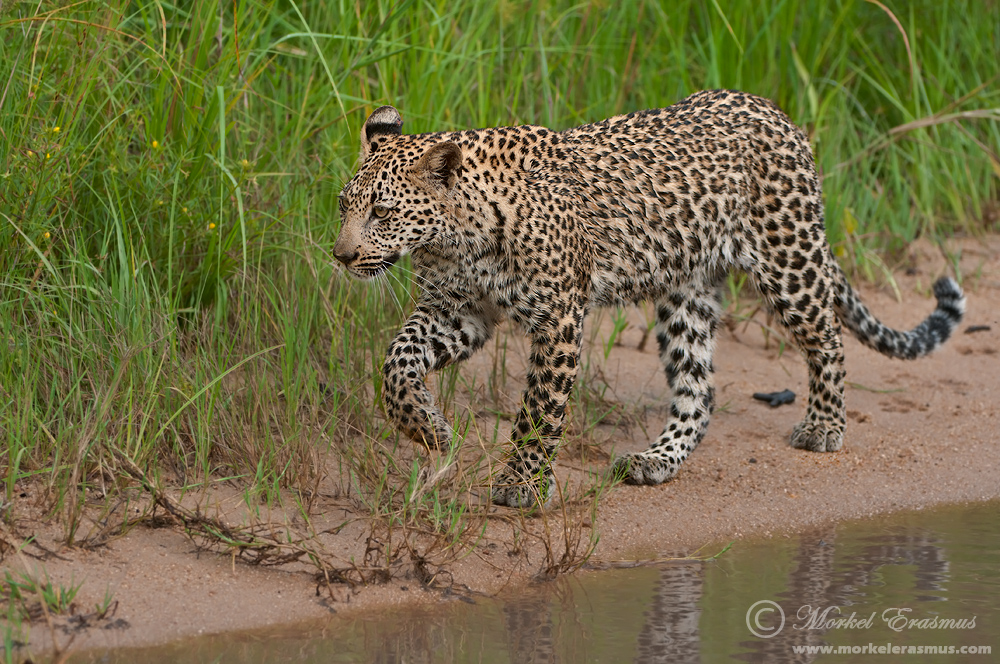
(399, 198)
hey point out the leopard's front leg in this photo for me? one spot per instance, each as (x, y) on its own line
(432, 338)
(526, 478)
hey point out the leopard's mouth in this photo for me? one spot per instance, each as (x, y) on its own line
(390, 260)
(372, 269)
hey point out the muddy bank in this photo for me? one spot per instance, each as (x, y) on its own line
(919, 434)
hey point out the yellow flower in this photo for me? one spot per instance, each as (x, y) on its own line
(244, 163)
(211, 226)
(156, 145)
(55, 130)
(47, 155)
(184, 210)
(46, 235)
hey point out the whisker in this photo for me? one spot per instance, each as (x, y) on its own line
(425, 283)
(403, 286)
(392, 291)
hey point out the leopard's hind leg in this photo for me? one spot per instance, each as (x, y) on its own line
(803, 302)
(685, 330)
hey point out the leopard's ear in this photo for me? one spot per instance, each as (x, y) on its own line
(439, 165)
(384, 121)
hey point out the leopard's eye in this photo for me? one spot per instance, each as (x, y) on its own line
(380, 212)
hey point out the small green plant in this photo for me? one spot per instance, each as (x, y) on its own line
(14, 636)
(620, 321)
(103, 607)
(736, 282)
(35, 597)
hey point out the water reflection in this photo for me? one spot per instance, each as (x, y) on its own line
(529, 628)
(920, 550)
(823, 575)
(942, 563)
(670, 627)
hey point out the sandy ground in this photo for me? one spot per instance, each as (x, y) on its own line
(919, 434)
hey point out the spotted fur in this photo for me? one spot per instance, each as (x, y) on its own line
(540, 226)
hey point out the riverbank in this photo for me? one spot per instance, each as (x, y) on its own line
(919, 434)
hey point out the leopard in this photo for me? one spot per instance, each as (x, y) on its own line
(538, 227)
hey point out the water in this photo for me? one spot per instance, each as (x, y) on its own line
(931, 566)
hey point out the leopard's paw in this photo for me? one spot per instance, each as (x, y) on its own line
(640, 468)
(433, 430)
(443, 435)
(817, 437)
(512, 489)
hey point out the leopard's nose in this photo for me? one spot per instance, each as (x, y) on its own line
(344, 254)
(346, 257)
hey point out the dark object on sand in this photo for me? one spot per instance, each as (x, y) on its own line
(775, 398)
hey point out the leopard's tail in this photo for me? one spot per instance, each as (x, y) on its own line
(921, 340)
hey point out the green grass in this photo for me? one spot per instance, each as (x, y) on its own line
(168, 183)
(19, 590)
